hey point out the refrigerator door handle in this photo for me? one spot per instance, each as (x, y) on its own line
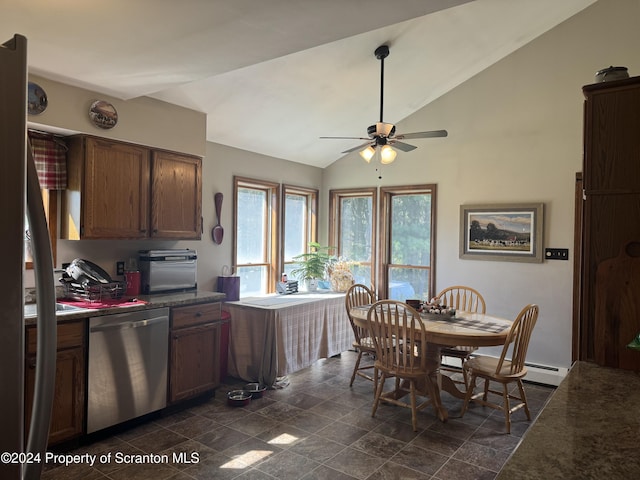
(46, 299)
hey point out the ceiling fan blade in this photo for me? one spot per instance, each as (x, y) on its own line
(430, 134)
(346, 138)
(405, 147)
(358, 147)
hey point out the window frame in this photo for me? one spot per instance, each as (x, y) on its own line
(311, 220)
(50, 203)
(272, 249)
(387, 194)
(335, 198)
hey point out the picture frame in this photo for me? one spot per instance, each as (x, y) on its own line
(502, 232)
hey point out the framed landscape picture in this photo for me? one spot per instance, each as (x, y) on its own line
(509, 232)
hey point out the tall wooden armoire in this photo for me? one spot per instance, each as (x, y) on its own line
(609, 290)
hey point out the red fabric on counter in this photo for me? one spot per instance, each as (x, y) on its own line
(103, 303)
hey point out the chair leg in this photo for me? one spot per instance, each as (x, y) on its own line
(414, 418)
(467, 398)
(523, 399)
(376, 400)
(375, 379)
(486, 389)
(506, 406)
(464, 373)
(355, 369)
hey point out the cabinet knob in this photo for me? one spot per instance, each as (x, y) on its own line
(198, 314)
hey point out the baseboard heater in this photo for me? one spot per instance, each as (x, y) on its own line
(544, 374)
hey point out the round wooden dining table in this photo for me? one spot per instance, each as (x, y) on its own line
(443, 330)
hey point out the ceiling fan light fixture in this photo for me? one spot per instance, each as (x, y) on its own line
(367, 153)
(387, 155)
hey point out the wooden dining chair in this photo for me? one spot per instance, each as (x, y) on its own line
(467, 299)
(504, 370)
(399, 337)
(357, 295)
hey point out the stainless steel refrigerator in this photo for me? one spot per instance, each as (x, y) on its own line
(19, 197)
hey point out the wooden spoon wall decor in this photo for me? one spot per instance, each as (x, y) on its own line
(217, 232)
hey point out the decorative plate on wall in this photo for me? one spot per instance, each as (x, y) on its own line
(36, 99)
(103, 114)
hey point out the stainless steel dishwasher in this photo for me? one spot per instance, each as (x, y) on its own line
(127, 374)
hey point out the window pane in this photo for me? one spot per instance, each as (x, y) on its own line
(362, 273)
(252, 226)
(253, 280)
(356, 216)
(406, 283)
(411, 229)
(295, 227)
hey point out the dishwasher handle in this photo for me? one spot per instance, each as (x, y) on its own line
(128, 324)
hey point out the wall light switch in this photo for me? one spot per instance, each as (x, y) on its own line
(556, 253)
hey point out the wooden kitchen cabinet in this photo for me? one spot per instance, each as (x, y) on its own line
(67, 416)
(176, 193)
(609, 231)
(118, 190)
(194, 350)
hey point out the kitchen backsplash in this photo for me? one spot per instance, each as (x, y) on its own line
(30, 294)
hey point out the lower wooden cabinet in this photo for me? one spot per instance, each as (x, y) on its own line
(194, 350)
(67, 414)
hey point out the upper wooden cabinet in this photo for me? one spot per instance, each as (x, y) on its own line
(120, 190)
(176, 195)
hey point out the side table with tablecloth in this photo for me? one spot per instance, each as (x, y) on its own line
(275, 335)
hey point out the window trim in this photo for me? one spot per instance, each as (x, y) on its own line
(272, 254)
(311, 233)
(335, 196)
(50, 203)
(386, 194)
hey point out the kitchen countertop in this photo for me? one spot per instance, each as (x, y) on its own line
(153, 301)
(589, 429)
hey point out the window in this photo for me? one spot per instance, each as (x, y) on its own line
(50, 202)
(408, 239)
(404, 267)
(352, 230)
(256, 225)
(299, 222)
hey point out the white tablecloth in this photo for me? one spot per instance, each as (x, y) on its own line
(276, 335)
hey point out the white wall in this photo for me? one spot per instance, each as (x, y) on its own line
(515, 135)
(140, 120)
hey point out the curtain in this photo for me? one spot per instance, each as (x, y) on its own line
(50, 156)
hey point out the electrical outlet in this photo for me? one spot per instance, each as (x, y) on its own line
(556, 253)
(119, 268)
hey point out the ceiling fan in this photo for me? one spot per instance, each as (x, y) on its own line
(383, 134)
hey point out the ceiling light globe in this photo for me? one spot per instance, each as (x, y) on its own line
(387, 155)
(367, 153)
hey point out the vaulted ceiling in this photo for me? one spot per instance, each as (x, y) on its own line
(275, 75)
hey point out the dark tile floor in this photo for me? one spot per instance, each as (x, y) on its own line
(316, 428)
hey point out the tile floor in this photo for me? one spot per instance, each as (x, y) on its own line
(315, 428)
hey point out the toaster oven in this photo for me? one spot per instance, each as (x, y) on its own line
(167, 270)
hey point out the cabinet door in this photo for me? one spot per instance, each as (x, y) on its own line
(68, 399)
(194, 361)
(176, 196)
(116, 190)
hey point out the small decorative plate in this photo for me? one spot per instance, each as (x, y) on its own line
(103, 114)
(36, 99)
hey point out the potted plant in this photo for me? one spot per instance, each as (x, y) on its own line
(312, 266)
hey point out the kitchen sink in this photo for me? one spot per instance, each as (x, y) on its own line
(31, 309)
